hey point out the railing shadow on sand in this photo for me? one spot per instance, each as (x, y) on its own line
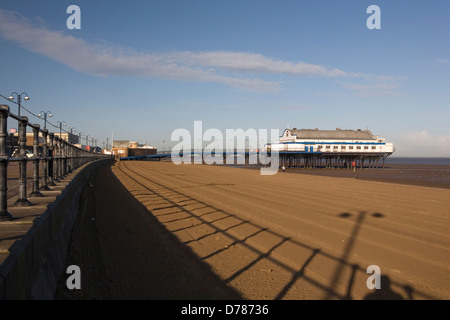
(164, 198)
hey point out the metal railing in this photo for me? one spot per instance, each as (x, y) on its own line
(57, 157)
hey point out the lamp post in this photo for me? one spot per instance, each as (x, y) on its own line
(45, 117)
(72, 130)
(19, 96)
(60, 127)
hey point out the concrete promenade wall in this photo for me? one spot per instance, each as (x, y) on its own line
(35, 262)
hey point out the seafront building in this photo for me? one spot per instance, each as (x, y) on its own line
(12, 141)
(126, 148)
(340, 148)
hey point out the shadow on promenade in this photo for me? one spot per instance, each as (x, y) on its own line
(125, 253)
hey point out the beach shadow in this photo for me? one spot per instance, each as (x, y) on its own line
(385, 292)
(120, 245)
(12, 238)
(179, 206)
(349, 244)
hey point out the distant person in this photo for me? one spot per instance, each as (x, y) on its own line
(283, 168)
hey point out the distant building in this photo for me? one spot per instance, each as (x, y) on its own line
(126, 148)
(333, 141)
(12, 141)
(70, 137)
(312, 148)
(66, 136)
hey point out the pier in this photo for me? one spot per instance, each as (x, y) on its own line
(287, 159)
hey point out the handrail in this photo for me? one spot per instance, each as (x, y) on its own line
(57, 156)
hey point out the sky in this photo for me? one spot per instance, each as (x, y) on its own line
(140, 69)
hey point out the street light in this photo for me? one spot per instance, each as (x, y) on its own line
(72, 130)
(19, 96)
(45, 117)
(60, 127)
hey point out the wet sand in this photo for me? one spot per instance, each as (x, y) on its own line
(239, 234)
(413, 174)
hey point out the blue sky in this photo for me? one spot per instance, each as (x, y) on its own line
(138, 70)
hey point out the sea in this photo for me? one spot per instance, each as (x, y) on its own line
(418, 160)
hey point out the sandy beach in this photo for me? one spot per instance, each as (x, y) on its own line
(232, 233)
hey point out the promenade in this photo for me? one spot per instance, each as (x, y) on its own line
(154, 230)
(11, 231)
(125, 253)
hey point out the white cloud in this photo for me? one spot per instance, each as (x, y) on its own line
(422, 143)
(442, 61)
(373, 89)
(251, 62)
(109, 60)
(424, 138)
(293, 107)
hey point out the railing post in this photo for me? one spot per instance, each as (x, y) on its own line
(69, 149)
(36, 158)
(45, 161)
(56, 160)
(51, 160)
(23, 201)
(66, 158)
(4, 214)
(70, 155)
(62, 154)
(61, 159)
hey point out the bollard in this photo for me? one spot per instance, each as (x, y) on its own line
(45, 161)
(4, 214)
(36, 158)
(23, 201)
